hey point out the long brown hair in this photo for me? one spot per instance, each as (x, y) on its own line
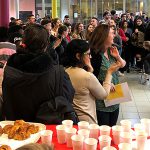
(98, 37)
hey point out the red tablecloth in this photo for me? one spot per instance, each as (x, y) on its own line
(63, 146)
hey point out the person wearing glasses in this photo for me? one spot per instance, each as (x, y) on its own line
(86, 85)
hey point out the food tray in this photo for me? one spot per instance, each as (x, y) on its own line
(14, 144)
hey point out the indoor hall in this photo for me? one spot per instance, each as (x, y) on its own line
(139, 107)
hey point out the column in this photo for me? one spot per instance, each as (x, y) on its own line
(65, 5)
(124, 6)
(43, 9)
(17, 8)
(4, 13)
(54, 8)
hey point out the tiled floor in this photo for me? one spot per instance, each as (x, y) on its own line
(139, 107)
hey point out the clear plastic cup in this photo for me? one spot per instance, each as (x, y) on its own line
(126, 124)
(94, 131)
(104, 140)
(69, 133)
(125, 146)
(60, 129)
(125, 137)
(84, 132)
(90, 144)
(105, 130)
(116, 130)
(46, 137)
(83, 125)
(67, 123)
(77, 142)
(109, 148)
(146, 123)
(141, 139)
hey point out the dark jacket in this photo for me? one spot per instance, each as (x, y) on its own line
(29, 81)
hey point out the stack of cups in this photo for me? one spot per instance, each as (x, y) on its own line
(94, 131)
(104, 140)
(116, 130)
(109, 148)
(105, 130)
(69, 133)
(84, 132)
(146, 123)
(60, 129)
(46, 137)
(90, 144)
(125, 137)
(126, 124)
(141, 138)
(83, 125)
(67, 123)
(125, 146)
(77, 142)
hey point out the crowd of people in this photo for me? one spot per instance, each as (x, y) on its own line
(53, 70)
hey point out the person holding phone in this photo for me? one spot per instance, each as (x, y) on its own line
(86, 85)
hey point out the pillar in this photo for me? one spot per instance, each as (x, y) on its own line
(43, 9)
(4, 13)
(54, 8)
(65, 4)
(17, 8)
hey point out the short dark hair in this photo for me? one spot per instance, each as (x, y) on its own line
(74, 47)
(29, 16)
(35, 39)
(66, 16)
(61, 29)
(113, 12)
(95, 18)
(105, 13)
(45, 21)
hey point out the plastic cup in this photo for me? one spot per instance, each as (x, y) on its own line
(69, 133)
(105, 130)
(125, 146)
(94, 131)
(141, 138)
(46, 137)
(126, 124)
(146, 123)
(138, 127)
(77, 142)
(67, 123)
(104, 140)
(125, 137)
(116, 130)
(60, 129)
(83, 125)
(109, 148)
(90, 144)
(84, 132)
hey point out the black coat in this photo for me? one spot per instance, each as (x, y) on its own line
(29, 80)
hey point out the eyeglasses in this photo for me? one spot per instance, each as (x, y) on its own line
(87, 53)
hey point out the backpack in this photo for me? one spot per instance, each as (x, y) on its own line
(58, 108)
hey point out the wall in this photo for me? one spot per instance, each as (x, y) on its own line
(24, 5)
